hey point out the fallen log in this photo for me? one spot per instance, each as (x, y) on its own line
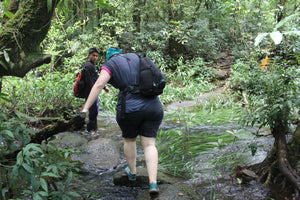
(73, 124)
(40, 123)
(50, 130)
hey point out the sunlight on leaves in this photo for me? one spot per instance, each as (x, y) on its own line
(259, 38)
(239, 181)
(276, 37)
(286, 19)
(292, 33)
(6, 56)
(9, 14)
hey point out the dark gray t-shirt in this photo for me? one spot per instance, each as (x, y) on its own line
(90, 77)
(124, 72)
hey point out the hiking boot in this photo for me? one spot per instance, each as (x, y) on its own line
(131, 177)
(153, 189)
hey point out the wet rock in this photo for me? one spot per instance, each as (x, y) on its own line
(226, 189)
(95, 155)
(142, 180)
(98, 155)
(245, 175)
(249, 173)
(181, 191)
(68, 139)
(170, 187)
(220, 74)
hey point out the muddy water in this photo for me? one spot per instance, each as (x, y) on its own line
(213, 178)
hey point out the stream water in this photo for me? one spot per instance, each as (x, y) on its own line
(213, 171)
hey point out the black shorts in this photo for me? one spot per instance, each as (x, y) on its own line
(144, 123)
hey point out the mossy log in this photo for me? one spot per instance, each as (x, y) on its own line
(73, 124)
(21, 36)
(50, 130)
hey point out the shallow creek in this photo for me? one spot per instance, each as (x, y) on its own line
(213, 171)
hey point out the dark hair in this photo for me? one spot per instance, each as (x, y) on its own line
(92, 50)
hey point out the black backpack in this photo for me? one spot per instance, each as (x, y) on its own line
(152, 80)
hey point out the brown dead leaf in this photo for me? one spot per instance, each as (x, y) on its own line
(265, 63)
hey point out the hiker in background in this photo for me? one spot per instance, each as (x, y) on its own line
(136, 115)
(90, 77)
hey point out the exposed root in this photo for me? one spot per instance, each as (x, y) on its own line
(283, 162)
(270, 174)
(276, 170)
(268, 180)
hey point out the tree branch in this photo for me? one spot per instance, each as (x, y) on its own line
(22, 35)
(45, 59)
(28, 63)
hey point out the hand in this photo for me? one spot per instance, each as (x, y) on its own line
(107, 90)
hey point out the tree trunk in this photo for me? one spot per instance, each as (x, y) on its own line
(279, 166)
(283, 162)
(137, 15)
(175, 48)
(294, 147)
(21, 36)
(0, 85)
(281, 10)
(98, 16)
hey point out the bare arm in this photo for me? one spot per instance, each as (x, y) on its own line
(96, 89)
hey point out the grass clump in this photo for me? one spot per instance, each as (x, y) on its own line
(198, 130)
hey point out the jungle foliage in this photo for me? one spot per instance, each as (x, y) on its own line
(184, 38)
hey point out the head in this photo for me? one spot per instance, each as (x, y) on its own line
(112, 51)
(93, 55)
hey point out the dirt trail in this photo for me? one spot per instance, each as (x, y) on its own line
(221, 70)
(201, 98)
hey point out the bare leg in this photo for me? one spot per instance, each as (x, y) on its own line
(151, 157)
(130, 153)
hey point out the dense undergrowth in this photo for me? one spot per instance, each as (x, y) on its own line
(51, 95)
